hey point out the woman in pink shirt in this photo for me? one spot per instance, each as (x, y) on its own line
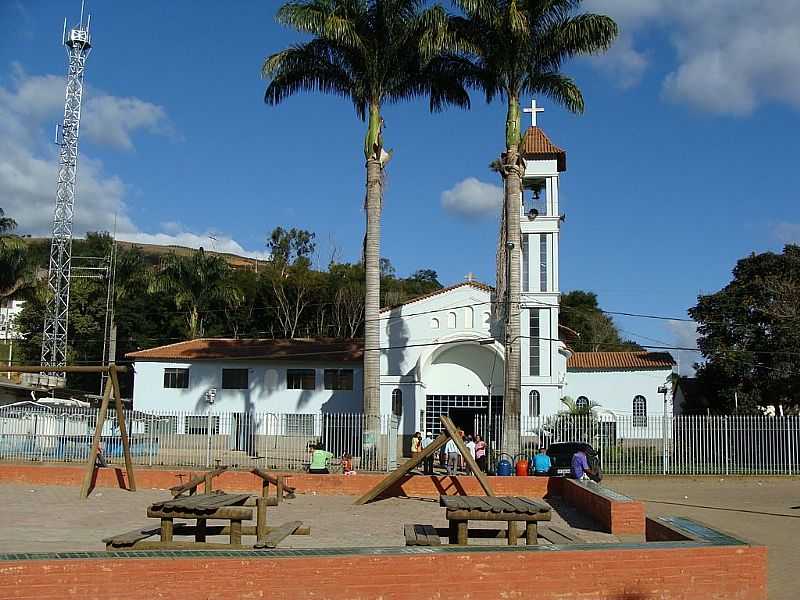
(480, 452)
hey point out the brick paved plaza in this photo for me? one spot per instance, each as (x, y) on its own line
(53, 518)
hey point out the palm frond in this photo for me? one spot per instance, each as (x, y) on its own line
(559, 88)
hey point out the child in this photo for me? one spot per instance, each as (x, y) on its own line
(347, 465)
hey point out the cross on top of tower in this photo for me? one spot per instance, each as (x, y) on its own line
(470, 277)
(533, 110)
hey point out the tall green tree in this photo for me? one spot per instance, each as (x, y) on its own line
(374, 52)
(519, 47)
(596, 331)
(198, 282)
(749, 334)
(7, 224)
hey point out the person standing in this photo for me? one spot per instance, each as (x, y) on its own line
(579, 469)
(451, 451)
(416, 445)
(471, 448)
(542, 463)
(480, 453)
(427, 464)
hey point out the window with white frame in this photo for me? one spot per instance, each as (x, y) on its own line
(487, 320)
(301, 379)
(199, 425)
(434, 323)
(451, 320)
(534, 332)
(469, 317)
(582, 402)
(299, 424)
(526, 285)
(543, 262)
(234, 379)
(534, 404)
(338, 379)
(397, 402)
(176, 378)
(639, 411)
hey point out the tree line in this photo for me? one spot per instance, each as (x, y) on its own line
(161, 299)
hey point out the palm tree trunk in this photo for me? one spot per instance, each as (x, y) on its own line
(372, 400)
(512, 392)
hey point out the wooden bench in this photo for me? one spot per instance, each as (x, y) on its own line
(421, 535)
(276, 535)
(557, 536)
(130, 538)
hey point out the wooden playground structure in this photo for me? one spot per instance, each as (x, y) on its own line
(111, 388)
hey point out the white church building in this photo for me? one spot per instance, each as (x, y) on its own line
(441, 352)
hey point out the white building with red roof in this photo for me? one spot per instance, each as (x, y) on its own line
(441, 354)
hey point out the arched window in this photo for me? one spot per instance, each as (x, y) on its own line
(582, 402)
(397, 402)
(639, 411)
(469, 318)
(434, 323)
(451, 320)
(487, 320)
(534, 403)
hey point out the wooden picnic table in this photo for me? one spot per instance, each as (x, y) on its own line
(512, 509)
(216, 505)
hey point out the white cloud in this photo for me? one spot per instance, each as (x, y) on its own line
(28, 162)
(787, 233)
(684, 334)
(472, 198)
(732, 55)
(105, 119)
(624, 63)
(219, 243)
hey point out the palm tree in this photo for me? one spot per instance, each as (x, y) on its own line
(573, 409)
(374, 52)
(519, 47)
(16, 269)
(198, 281)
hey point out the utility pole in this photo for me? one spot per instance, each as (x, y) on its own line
(54, 339)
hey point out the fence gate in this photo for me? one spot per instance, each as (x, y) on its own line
(391, 442)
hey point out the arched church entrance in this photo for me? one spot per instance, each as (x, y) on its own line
(464, 381)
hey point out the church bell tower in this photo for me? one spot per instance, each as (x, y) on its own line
(543, 355)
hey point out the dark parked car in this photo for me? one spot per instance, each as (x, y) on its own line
(561, 454)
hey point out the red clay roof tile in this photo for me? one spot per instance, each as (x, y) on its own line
(536, 145)
(616, 361)
(239, 349)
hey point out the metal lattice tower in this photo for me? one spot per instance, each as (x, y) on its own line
(54, 340)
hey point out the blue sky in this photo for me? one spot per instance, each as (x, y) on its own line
(684, 161)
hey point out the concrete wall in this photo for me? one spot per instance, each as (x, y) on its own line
(614, 392)
(267, 390)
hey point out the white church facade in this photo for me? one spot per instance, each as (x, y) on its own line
(441, 353)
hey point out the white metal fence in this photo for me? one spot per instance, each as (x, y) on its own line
(630, 445)
(266, 440)
(668, 445)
